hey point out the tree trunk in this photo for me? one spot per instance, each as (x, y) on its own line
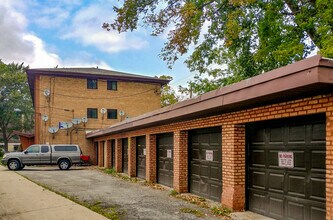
(5, 147)
(5, 140)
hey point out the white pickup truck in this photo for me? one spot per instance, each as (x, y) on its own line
(63, 155)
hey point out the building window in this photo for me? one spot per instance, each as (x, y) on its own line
(112, 85)
(92, 84)
(92, 113)
(112, 113)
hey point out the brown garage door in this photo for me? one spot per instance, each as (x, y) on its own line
(141, 157)
(165, 159)
(125, 155)
(205, 160)
(286, 168)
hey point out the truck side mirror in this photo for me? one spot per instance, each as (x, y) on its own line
(25, 152)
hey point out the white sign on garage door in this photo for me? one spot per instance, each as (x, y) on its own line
(209, 155)
(286, 159)
(169, 153)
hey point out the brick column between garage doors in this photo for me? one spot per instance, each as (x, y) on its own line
(151, 158)
(108, 154)
(233, 166)
(118, 156)
(180, 157)
(132, 156)
(101, 153)
(329, 164)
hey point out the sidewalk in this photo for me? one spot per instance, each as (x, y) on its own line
(24, 200)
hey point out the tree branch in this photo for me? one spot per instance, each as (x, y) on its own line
(295, 11)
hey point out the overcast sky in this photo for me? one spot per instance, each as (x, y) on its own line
(68, 33)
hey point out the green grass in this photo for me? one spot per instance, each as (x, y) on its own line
(109, 212)
(110, 171)
(114, 173)
(192, 211)
(173, 192)
(221, 211)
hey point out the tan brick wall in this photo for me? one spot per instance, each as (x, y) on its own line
(133, 98)
(233, 180)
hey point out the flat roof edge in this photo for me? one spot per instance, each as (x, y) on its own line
(130, 77)
(293, 76)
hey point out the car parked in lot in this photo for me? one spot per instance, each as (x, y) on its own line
(63, 155)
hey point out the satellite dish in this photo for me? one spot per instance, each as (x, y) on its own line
(45, 118)
(84, 119)
(67, 125)
(47, 92)
(103, 110)
(121, 113)
(76, 121)
(53, 130)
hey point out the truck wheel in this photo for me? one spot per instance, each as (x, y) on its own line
(21, 167)
(64, 164)
(13, 165)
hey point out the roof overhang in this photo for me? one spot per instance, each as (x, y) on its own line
(22, 134)
(312, 76)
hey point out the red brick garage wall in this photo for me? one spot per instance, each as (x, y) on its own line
(233, 150)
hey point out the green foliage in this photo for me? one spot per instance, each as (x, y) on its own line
(16, 111)
(168, 95)
(173, 192)
(220, 210)
(233, 40)
(108, 211)
(192, 211)
(114, 173)
(111, 171)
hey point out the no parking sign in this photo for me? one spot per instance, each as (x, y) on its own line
(286, 159)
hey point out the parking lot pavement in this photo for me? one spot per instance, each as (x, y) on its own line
(131, 200)
(22, 199)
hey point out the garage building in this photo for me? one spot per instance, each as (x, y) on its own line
(264, 144)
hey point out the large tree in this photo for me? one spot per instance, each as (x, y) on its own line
(232, 39)
(16, 111)
(168, 94)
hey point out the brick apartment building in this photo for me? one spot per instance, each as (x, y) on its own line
(264, 144)
(95, 98)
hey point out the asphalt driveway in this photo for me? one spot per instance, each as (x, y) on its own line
(131, 200)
